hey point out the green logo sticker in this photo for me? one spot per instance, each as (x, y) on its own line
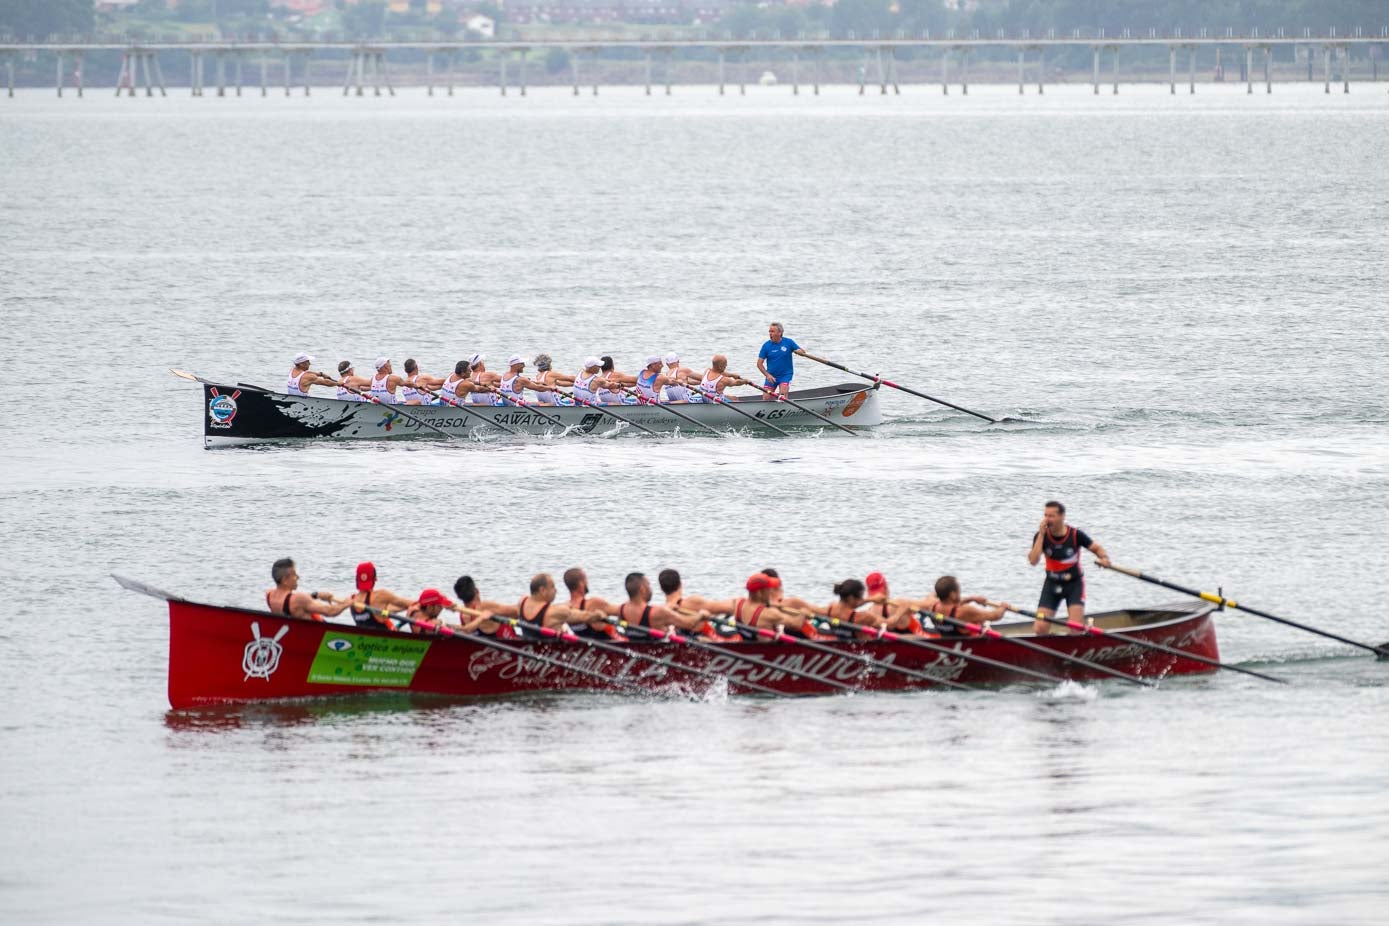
(354, 659)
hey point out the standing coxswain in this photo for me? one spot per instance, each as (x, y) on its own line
(547, 376)
(1060, 545)
(418, 386)
(301, 377)
(285, 600)
(774, 360)
(348, 380)
(385, 383)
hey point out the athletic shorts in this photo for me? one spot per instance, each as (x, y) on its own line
(771, 383)
(1063, 586)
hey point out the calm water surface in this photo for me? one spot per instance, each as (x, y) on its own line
(1181, 298)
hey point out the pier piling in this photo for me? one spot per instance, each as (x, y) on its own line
(501, 71)
(1095, 72)
(524, 54)
(60, 75)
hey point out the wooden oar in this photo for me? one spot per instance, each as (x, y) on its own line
(886, 634)
(726, 649)
(464, 406)
(790, 401)
(371, 398)
(1144, 644)
(598, 406)
(1382, 651)
(887, 382)
(733, 406)
(982, 630)
(643, 400)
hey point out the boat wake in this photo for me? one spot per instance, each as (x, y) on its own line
(1069, 691)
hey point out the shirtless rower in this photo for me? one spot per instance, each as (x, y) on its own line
(385, 382)
(458, 387)
(1060, 545)
(470, 598)
(368, 594)
(576, 581)
(285, 600)
(349, 380)
(416, 383)
(612, 393)
(301, 377)
(640, 612)
(539, 606)
(547, 376)
(973, 608)
(717, 378)
(763, 608)
(590, 384)
(514, 384)
(679, 379)
(851, 596)
(480, 375)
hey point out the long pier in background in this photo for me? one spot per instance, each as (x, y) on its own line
(367, 61)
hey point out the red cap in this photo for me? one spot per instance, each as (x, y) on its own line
(433, 596)
(875, 581)
(761, 582)
(366, 577)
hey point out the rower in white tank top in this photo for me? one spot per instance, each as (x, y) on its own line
(675, 390)
(583, 387)
(709, 385)
(512, 389)
(292, 387)
(450, 386)
(546, 396)
(409, 393)
(380, 388)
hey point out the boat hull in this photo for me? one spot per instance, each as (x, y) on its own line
(223, 655)
(240, 415)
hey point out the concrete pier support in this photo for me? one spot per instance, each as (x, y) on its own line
(1022, 64)
(429, 73)
(882, 74)
(525, 53)
(289, 71)
(945, 72)
(1326, 66)
(574, 68)
(1095, 73)
(158, 75)
(742, 72)
(453, 57)
(1268, 69)
(667, 68)
(1041, 71)
(1249, 69)
(60, 75)
(78, 66)
(308, 71)
(648, 73)
(221, 73)
(1172, 68)
(964, 72)
(796, 73)
(892, 68)
(1115, 50)
(862, 73)
(9, 74)
(501, 71)
(265, 74)
(1345, 69)
(1191, 69)
(384, 74)
(819, 63)
(238, 61)
(721, 88)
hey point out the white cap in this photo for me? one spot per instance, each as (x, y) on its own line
(381, 362)
(591, 362)
(302, 357)
(650, 360)
(474, 360)
(515, 359)
(672, 359)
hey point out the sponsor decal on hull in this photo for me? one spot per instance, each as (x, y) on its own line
(357, 659)
(221, 409)
(262, 655)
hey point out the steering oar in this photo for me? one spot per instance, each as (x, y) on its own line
(887, 382)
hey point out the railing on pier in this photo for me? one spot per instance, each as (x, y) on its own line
(367, 64)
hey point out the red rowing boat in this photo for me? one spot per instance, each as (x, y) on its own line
(221, 655)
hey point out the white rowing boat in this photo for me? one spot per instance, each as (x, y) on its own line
(245, 414)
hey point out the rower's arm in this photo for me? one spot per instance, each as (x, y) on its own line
(316, 606)
(392, 600)
(562, 379)
(800, 604)
(701, 603)
(1101, 556)
(501, 610)
(1035, 554)
(472, 624)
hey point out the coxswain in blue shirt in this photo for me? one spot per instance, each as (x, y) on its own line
(1060, 545)
(774, 359)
